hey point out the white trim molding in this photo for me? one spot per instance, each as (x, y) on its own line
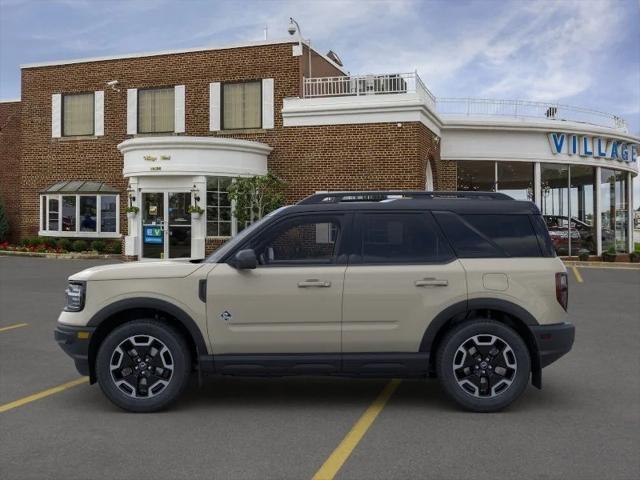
(186, 155)
(396, 108)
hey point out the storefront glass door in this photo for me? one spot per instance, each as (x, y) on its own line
(166, 225)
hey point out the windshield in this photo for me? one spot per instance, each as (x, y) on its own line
(238, 239)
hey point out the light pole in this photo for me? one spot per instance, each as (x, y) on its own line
(293, 28)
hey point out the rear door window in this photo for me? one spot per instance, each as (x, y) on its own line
(467, 241)
(513, 233)
(401, 238)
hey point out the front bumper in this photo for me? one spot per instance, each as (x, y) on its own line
(553, 341)
(75, 343)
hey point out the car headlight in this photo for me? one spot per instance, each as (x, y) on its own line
(75, 297)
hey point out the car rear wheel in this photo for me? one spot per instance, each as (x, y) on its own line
(483, 365)
(143, 365)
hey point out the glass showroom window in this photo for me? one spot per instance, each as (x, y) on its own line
(614, 194)
(516, 179)
(77, 114)
(555, 204)
(156, 110)
(241, 105)
(80, 215)
(219, 218)
(582, 201)
(476, 176)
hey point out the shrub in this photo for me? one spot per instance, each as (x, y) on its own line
(583, 254)
(65, 244)
(114, 248)
(98, 245)
(79, 246)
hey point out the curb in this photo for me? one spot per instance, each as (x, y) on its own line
(609, 265)
(62, 256)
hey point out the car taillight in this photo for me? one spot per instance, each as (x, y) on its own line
(562, 289)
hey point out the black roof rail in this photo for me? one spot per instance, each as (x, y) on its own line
(381, 195)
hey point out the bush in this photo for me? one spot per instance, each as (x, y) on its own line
(65, 244)
(79, 246)
(4, 223)
(114, 248)
(98, 245)
(583, 254)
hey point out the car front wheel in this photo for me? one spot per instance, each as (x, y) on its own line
(483, 365)
(143, 365)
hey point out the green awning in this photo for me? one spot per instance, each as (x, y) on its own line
(80, 186)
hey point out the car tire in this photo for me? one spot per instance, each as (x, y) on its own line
(143, 365)
(483, 365)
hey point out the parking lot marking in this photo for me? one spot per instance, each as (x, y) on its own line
(45, 393)
(11, 327)
(332, 465)
(577, 274)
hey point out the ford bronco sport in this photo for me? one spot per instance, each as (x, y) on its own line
(465, 287)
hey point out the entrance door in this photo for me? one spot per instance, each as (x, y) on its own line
(166, 225)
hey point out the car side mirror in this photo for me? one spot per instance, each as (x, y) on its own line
(245, 260)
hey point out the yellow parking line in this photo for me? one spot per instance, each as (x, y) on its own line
(11, 327)
(577, 274)
(340, 455)
(45, 393)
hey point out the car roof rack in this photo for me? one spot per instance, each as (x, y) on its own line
(389, 195)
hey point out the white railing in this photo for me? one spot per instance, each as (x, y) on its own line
(526, 109)
(356, 85)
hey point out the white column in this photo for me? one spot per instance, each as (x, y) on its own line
(537, 184)
(199, 226)
(598, 213)
(630, 212)
(132, 241)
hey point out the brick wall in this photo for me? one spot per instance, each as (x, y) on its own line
(10, 163)
(369, 156)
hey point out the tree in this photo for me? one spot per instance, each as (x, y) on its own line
(254, 197)
(4, 223)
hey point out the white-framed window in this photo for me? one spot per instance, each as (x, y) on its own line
(241, 105)
(156, 110)
(220, 219)
(77, 114)
(80, 215)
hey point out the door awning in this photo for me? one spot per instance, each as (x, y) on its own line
(80, 186)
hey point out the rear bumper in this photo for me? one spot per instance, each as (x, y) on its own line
(553, 341)
(74, 341)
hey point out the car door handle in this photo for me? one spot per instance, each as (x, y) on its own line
(313, 283)
(432, 282)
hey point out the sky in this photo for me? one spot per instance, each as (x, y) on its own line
(576, 52)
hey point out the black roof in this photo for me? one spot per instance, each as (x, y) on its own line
(458, 202)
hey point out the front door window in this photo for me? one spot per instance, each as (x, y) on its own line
(166, 225)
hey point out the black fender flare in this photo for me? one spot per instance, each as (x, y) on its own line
(154, 304)
(459, 310)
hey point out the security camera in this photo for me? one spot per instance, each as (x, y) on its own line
(292, 28)
(112, 83)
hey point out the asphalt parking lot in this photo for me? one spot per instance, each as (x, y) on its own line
(583, 424)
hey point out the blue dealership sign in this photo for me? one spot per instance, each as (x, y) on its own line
(153, 235)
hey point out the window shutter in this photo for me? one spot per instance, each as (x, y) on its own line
(98, 112)
(214, 106)
(179, 108)
(267, 103)
(56, 115)
(132, 111)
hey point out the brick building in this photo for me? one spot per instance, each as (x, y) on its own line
(162, 131)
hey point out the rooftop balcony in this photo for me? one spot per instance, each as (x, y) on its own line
(404, 83)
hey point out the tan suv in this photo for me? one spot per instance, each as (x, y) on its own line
(462, 286)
